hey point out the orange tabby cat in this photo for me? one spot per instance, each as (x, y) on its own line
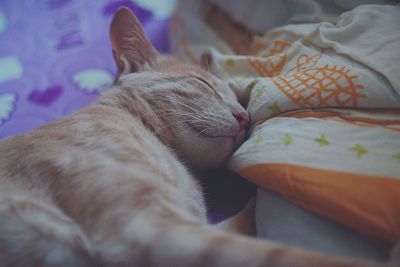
(107, 186)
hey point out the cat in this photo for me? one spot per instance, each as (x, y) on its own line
(111, 185)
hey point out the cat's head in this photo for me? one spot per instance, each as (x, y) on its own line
(191, 110)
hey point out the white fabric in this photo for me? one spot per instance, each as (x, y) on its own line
(280, 220)
(369, 35)
(263, 15)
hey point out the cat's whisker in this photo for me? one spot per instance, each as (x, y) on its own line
(193, 104)
(196, 117)
(158, 130)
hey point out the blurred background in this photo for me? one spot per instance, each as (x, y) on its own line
(55, 55)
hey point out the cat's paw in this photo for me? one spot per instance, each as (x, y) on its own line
(243, 222)
(395, 255)
(248, 218)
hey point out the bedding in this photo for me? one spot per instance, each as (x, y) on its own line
(323, 94)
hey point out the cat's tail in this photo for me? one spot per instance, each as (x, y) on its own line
(34, 233)
(195, 245)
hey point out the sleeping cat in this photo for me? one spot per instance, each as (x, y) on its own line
(110, 186)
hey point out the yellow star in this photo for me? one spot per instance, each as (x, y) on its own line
(258, 139)
(260, 91)
(239, 80)
(230, 62)
(359, 150)
(322, 141)
(274, 108)
(287, 140)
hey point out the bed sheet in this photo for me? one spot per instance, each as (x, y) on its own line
(55, 56)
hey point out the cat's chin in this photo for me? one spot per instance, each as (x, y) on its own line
(202, 132)
(215, 150)
(235, 138)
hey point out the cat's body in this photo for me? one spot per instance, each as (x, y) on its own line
(107, 186)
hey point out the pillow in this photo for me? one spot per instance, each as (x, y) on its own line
(325, 107)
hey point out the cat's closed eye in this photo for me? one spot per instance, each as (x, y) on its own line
(208, 85)
(203, 81)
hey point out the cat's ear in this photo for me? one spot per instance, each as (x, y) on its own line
(132, 50)
(206, 60)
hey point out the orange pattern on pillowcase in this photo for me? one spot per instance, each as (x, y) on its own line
(272, 63)
(327, 86)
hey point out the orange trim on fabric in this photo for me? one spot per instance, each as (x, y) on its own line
(372, 120)
(393, 128)
(312, 114)
(348, 117)
(300, 115)
(339, 117)
(368, 204)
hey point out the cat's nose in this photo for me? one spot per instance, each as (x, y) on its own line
(242, 117)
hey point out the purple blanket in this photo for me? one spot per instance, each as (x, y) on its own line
(55, 58)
